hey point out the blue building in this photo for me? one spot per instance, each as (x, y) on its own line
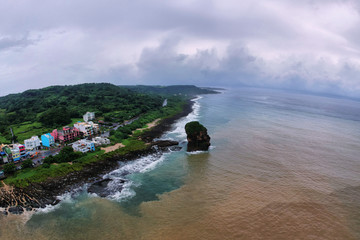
(47, 140)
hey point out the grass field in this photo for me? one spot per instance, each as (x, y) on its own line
(28, 129)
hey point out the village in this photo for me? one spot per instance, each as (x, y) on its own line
(82, 137)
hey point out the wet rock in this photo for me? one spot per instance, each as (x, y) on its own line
(175, 148)
(16, 210)
(164, 143)
(100, 187)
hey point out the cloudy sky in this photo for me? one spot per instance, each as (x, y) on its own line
(309, 45)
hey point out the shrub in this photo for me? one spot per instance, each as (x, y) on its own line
(9, 168)
(27, 164)
(46, 165)
(193, 128)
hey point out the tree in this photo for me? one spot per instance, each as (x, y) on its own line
(27, 164)
(9, 168)
(57, 116)
(194, 128)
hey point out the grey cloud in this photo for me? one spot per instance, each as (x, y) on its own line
(7, 42)
(222, 42)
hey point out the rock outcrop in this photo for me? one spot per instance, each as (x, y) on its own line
(198, 139)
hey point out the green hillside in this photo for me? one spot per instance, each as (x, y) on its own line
(187, 90)
(34, 112)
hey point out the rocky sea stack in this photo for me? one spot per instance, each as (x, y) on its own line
(198, 139)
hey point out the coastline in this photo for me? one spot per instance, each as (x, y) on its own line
(18, 200)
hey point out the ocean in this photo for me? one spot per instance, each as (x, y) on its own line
(282, 165)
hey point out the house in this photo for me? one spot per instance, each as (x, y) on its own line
(15, 152)
(21, 149)
(87, 128)
(89, 116)
(32, 143)
(47, 140)
(101, 141)
(66, 134)
(3, 157)
(8, 155)
(83, 146)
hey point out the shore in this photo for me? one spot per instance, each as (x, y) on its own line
(38, 195)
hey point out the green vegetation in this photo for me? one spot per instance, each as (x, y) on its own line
(27, 164)
(28, 129)
(35, 112)
(66, 154)
(9, 168)
(56, 116)
(194, 128)
(173, 107)
(188, 90)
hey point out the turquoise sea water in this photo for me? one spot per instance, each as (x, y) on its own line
(282, 166)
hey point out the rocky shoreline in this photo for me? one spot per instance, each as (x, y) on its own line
(38, 195)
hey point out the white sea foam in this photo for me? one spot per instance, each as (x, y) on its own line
(201, 152)
(126, 192)
(67, 197)
(48, 208)
(196, 152)
(141, 165)
(179, 128)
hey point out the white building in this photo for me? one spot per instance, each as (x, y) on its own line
(83, 146)
(32, 143)
(87, 128)
(89, 116)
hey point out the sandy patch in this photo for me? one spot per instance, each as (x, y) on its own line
(113, 148)
(149, 125)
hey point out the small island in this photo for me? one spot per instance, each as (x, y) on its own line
(197, 136)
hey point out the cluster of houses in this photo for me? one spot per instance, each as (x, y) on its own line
(87, 129)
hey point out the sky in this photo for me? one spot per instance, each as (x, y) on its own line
(308, 45)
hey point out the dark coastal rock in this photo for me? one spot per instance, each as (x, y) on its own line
(16, 210)
(198, 139)
(165, 143)
(175, 148)
(100, 187)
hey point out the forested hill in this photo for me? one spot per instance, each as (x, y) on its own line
(189, 90)
(56, 106)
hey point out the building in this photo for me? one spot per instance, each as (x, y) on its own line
(3, 157)
(89, 116)
(101, 141)
(83, 146)
(87, 128)
(47, 140)
(8, 154)
(66, 134)
(32, 143)
(15, 154)
(21, 149)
